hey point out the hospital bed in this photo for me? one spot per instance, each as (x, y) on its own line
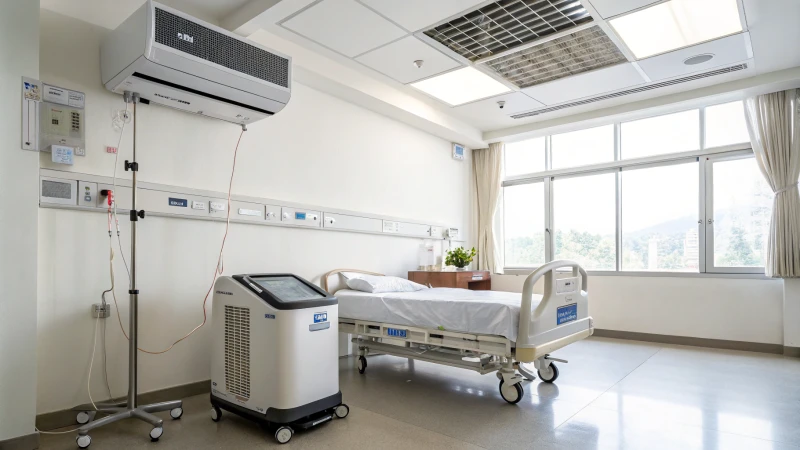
(485, 331)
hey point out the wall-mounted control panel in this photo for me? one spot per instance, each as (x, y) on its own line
(68, 189)
(301, 217)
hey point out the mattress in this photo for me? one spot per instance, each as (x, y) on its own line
(462, 310)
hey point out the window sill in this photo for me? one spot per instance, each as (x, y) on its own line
(517, 271)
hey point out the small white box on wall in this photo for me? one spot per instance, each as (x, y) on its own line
(458, 151)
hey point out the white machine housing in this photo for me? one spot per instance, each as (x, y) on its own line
(176, 60)
(280, 364)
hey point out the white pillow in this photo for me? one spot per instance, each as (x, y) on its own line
(351, 275)
(375, 284)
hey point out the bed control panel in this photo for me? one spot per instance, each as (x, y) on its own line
(566, 285)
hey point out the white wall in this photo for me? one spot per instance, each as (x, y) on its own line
(19, 56)
(749, 310)
(319, 150)
(791, 312)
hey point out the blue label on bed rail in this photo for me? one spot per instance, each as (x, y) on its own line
(567, 313)
(396, 333)
(320, 317)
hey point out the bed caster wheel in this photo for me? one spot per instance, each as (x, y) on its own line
(549, 374)
(84, 441)
(176, 413)
(512, 394)
(283, 435)
(362, 364)
(82, 418)
(216, 414)
(155, 434)
(341, 411)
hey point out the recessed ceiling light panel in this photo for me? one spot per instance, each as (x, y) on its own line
(461, 86)
(676, 24)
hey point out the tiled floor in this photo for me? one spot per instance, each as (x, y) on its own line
(612, 394)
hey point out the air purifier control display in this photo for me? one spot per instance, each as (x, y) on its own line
(288, 289)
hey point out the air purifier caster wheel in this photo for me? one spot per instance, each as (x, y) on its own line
(283, 435)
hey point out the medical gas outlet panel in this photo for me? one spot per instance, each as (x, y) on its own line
(66, 189)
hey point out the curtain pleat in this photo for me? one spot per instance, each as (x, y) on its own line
(487, 167)
(772, 121)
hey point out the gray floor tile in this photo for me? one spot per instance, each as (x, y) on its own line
(361, 429)
(612, 395)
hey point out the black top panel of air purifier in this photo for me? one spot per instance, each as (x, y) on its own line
(286, 291)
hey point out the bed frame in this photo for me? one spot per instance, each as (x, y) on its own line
(542, 330)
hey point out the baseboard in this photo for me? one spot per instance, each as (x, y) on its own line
(794, 352)
(66, 418)
(696, 342)
(27, 442)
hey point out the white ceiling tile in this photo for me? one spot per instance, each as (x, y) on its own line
(586, 84)
(397, 60)
(516, 102)
(727, 50)
(414, 15)
(611, 8)
(345, 26)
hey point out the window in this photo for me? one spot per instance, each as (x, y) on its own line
(740, 211)
(594, 200)
(725, 125)
(584, 220)
(525, 157)
(660, 218)
(584, 147)
(671, 133)
(523, 232)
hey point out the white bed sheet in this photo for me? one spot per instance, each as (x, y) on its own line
(462, 310)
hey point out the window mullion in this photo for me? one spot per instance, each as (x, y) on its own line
(706, 255)
(548, 217)
(618, 236)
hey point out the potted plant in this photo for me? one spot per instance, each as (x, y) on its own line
(460, 257)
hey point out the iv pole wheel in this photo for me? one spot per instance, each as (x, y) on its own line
(84, 441)
(176, 413)
(156, 433)
(82, 418)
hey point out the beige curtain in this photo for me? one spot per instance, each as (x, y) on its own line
(772, 121)
(487, 165)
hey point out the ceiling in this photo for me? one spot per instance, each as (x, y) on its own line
(380, 40)
(385, 37)
(110, 13)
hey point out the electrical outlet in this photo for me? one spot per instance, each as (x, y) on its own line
(98, 311)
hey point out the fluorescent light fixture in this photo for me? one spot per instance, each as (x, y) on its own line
(677, 24)
(461, 86)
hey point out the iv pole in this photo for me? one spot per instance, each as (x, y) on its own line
(130, 409)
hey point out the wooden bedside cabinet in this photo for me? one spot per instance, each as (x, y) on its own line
(477, 280)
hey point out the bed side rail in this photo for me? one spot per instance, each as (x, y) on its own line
(542, 324)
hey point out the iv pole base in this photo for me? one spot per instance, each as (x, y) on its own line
(143, 413)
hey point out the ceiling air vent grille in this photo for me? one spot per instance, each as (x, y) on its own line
(648, 87)
(575, 53)
(506, 24)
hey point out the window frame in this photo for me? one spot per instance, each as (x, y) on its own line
(705, 157)
(709, 220)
